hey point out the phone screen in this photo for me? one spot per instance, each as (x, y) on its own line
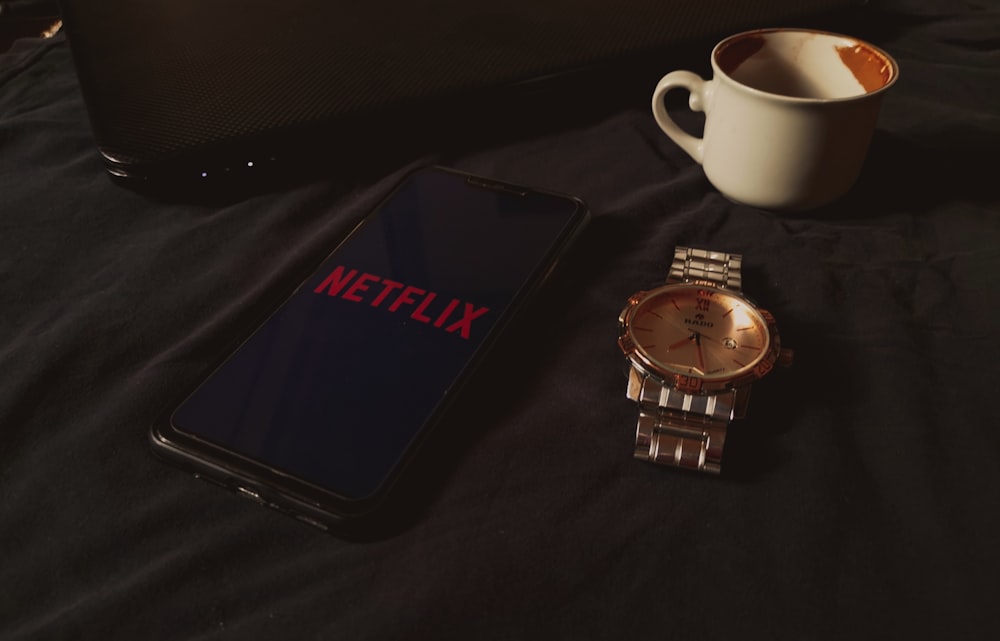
(338, 383)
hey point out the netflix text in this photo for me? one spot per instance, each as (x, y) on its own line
(454, 316)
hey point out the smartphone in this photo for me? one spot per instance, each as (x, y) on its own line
(316, 413)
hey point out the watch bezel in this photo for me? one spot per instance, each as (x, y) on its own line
(692, 383)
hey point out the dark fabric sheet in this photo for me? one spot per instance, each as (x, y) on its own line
(859, 498)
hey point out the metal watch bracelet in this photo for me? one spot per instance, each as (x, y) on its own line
(720, 268)
(679, 429)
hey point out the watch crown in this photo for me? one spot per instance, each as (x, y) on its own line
(785, 357)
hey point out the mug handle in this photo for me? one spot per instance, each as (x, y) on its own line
(699, 89)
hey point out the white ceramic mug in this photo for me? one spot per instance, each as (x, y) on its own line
(789, 115)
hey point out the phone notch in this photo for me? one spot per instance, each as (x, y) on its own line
(476, 181)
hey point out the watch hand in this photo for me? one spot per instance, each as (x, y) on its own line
(668, 319)
(709, 337)
(701, 357)
(681, 343)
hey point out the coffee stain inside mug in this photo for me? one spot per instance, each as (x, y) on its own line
(869, 67)
(872, 70)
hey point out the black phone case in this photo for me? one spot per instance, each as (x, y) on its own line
(305, 500)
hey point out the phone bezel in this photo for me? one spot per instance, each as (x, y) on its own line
(302, 499)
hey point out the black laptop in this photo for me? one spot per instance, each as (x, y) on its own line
(189, 91)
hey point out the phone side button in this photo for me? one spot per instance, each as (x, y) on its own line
(312, 522)
(250, 494)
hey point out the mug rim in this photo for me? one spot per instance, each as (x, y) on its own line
(893, 65)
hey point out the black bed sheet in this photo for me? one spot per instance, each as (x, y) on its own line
(859, 498)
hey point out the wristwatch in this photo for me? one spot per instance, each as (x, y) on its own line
(693, 347)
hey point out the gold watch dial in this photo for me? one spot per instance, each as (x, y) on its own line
(699, 331)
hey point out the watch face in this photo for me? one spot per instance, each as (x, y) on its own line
(699, 335)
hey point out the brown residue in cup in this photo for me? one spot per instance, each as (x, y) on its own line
(871, 68)
(733, 54)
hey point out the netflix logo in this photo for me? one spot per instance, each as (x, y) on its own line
(455, 316)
